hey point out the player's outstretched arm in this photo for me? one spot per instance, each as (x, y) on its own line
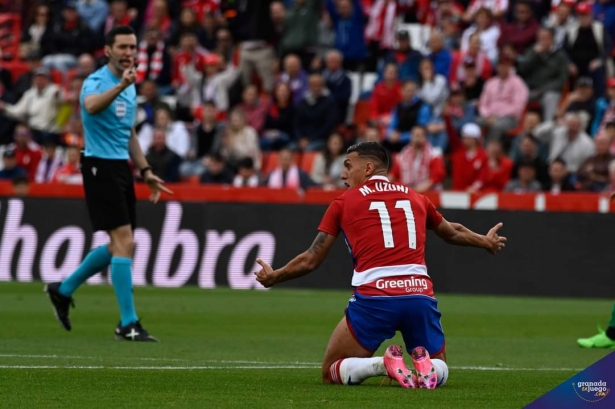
(301, 265)
(455, 233)
(155, 184)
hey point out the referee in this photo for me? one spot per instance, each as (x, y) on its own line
(108, 108)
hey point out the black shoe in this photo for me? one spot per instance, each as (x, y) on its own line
(133, 332)
(61, 304)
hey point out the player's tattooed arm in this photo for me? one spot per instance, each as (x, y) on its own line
(301, 265)
(318, 245)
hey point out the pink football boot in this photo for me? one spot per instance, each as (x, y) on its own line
(425, 371)
(396, 368)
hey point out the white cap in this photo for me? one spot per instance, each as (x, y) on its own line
(471, 130)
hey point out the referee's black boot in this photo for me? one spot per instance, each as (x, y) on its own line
(60, 303)
(133, 332)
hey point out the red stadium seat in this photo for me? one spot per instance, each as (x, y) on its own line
(514, 132)
(70, 74)
(57, 77)
(361, 113)
(307, 161)
(16, 68)
(10, 34)
(270, 162)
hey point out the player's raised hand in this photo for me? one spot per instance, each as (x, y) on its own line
(265, 275)
(156, 186)
(496, 242)
(129, 77)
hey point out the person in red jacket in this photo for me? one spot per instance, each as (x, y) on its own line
(419, 165)
(27, 152)
(469, 161)
(386, 96)
(499, 168)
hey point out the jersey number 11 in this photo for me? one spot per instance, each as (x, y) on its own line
(387, 228)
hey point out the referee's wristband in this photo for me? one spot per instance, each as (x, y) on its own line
(144, 170)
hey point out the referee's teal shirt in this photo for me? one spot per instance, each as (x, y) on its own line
(107, 133)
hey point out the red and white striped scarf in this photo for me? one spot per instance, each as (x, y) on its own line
(414, 166)
(143, 61)
(381, 25)
(293, 179)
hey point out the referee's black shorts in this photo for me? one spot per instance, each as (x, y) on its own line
(109, 193)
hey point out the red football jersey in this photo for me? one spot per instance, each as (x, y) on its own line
(385, 226)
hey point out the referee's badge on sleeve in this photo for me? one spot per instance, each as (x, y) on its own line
(120, 109)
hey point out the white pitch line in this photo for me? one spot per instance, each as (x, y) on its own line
(157, 359)
(265, 366)
(156, 368)
(501, 368)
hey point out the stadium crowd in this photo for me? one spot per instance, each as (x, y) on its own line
(480, 95)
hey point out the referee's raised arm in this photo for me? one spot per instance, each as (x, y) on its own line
(95, 103)
(124, 67)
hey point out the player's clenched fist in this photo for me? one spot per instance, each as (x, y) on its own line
(129, 77)
(265, 275)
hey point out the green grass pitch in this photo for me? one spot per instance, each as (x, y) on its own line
(262, 349)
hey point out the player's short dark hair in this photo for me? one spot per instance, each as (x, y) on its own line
(609, 124)
(372, 150)
(118, 31)
(210, 102)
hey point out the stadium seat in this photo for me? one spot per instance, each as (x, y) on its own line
(517, 131)
(419, 35)
(10, 34)
(16, 68)
(57, 77)
(361, 113)
(355, 80)
(70, 75)
(368, 83)
(307, 161)
(269, 162)
(169, 99)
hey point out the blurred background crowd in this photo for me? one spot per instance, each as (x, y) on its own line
(480, 95)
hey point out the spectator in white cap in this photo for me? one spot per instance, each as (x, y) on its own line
(469, 160)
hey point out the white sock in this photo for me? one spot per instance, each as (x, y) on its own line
(353, 371)
(441, 371)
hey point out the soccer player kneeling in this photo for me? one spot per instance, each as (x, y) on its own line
(385, 227)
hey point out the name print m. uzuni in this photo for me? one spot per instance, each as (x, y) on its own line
(383, 187)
